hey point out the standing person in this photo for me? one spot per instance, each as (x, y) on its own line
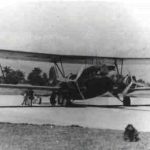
(25, 95)
(53, 99)
(40, 99)
(30, 96)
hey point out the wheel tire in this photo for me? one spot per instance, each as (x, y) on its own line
(126, 101)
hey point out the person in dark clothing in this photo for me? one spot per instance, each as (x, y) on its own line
(53, 99)
(131, 134)
(31, 96)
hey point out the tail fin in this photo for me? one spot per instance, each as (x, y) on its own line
(53, 76)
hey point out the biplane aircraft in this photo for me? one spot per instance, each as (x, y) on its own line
(103, 75)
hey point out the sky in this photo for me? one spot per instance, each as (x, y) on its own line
(110, 28)
(101, 28)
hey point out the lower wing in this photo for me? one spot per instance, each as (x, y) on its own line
(12, 89)
(140, 92)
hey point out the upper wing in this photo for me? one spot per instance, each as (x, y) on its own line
(45, 57)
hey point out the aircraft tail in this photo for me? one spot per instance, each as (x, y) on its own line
(53, 76)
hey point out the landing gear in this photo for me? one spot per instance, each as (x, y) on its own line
(64, 101)
(61, 99)
(67, 102)
(126, 101)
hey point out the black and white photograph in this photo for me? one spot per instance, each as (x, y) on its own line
(74, 75)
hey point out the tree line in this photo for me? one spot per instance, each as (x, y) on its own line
(35, 77)
(12, 76)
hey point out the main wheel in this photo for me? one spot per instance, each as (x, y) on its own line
(126, 101)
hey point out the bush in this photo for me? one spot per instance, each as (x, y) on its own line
(36, 77)
(13, 76)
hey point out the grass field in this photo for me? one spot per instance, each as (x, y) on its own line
(51, 137)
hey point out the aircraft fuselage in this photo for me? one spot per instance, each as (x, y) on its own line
(90, 88)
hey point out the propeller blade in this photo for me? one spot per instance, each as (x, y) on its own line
(53, 76)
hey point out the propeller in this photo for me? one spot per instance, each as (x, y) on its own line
(131, 82)
(125, 91)
(53, 76)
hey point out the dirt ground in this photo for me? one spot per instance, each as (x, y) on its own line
(51, 137)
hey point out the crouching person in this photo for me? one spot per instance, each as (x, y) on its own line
(37, 99)
(131, 134)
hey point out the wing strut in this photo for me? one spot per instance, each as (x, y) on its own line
(59, 69)
(62, 67)
(2, 71)
(116, 66)
(121, 66)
